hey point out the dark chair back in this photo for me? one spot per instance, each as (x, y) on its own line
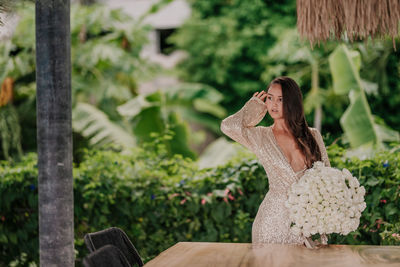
(106, 256)
(117, 237)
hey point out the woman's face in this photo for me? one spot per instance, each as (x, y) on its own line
(274, 101)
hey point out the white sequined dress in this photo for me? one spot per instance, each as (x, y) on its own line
(271, 224)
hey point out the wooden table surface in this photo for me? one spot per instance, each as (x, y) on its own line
(188, 254)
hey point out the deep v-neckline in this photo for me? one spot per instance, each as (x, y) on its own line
(283, 154)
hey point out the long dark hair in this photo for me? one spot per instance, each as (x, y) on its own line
(293, 113)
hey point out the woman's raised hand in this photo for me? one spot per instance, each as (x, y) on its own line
(261, 95)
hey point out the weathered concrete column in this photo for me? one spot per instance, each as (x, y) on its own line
(54, 133)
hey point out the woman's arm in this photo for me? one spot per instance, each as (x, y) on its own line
(322, 147)
(240, 125)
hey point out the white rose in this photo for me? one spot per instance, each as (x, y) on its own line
(325, 203)
(362, 206)
(295, 230)
(361, 190)
(346, 172)
(314, 211)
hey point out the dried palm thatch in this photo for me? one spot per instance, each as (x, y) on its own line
(5, 6)
(320, 20)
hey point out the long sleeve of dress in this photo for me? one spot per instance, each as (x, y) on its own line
(322, 147)
(240, 125)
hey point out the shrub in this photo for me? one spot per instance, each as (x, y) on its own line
(380, 176)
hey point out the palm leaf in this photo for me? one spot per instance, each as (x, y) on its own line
(93, 124)
(134, 106)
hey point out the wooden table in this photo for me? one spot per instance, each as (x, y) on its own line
(188, 254)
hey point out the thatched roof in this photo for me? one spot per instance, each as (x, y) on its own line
(6, 6)
(320, 20)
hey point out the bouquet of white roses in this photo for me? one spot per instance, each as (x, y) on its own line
(325, 200)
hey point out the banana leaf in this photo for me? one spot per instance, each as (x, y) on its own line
(357, 121)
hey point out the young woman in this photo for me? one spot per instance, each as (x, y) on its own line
(285, 149)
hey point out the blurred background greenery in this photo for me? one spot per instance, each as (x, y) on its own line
(231, 49)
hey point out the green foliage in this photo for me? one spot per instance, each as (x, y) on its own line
(105, 47)
(380, 176)
(152, 114)
(391, 234)
(357, 121)
(106, 68)
(160, 200)
(226, 40)
(96, 126)
(381, 66)
(18, 207)
(10, 131)
(174, 106)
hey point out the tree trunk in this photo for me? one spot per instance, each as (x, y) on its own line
(318, 117)
(54, 133)
(315, 89)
